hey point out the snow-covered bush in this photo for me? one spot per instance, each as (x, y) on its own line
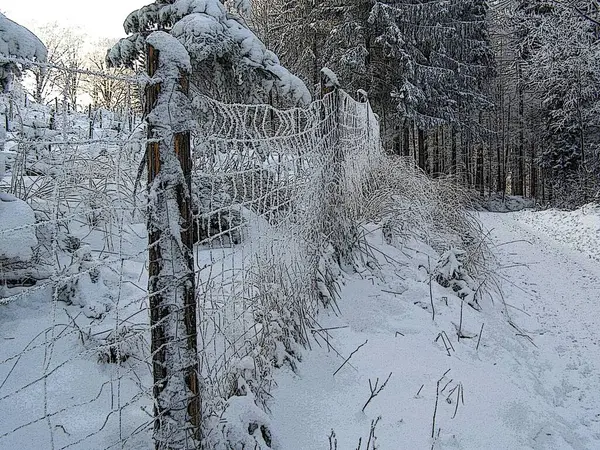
(243, 425)
(408, 203)
(18, 42)
(17, 229)
(450, 272)
(18, 243)
(82, 284)
(222, 49)
(119, 345)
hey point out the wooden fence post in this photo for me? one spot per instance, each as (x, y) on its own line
(163, 314)
(91, 122)
(336, 221)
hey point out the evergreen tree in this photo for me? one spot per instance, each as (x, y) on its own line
(229, 61)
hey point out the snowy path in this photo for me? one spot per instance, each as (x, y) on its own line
(534, 386)
(560, 289)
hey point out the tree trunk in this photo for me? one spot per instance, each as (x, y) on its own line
(534, 173)
(406, 140)
(436, 154)
(422, 149)
(479, 170)
(520, 166)
(453, 150)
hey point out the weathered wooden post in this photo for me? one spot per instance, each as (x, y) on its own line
(91, 122)
(171, 291)
(336, 221)
(331, 119)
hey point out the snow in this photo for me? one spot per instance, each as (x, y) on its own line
(3, 156)
(578, 230)
(171, 51)
(208, 31)
(331, 78)
(466, 370)
(17, 41)
(507, 203)
(532, 383)
(17, 229)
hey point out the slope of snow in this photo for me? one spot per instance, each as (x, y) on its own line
(533, 382)
(530, 381)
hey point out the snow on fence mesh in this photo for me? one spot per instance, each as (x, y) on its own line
(275, 194)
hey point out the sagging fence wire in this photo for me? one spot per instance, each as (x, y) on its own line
(276, 195)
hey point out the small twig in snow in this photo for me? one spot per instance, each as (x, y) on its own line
(437, 396)
(375, 390)
(430, 289)
(391, 292)
(479, 338)
(348, 358)
(462, 303)
(332, 441)
(372, 438)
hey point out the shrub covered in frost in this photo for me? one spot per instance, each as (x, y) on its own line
(215, 215)
(450, 272)
(82, 284)
(119, 345)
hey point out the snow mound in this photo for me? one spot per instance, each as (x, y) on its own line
(19, 42)
(171, 50)
(17, 229)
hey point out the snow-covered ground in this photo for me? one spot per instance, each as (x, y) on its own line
(534, 381)
(578, 230)
(525, 373)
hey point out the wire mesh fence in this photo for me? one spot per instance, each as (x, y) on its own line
(275, 195)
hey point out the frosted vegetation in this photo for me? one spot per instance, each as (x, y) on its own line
(186, 216)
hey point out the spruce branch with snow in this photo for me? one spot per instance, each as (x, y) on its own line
(228, 60)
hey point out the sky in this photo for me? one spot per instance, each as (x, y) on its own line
(98, 19)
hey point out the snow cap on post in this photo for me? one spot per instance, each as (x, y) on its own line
(172, 52)
(329, 78)
(173, 106)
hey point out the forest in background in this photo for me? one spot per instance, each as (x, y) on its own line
(502, 95)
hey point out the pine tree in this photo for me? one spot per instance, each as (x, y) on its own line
(229, 61)
(561, 47)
